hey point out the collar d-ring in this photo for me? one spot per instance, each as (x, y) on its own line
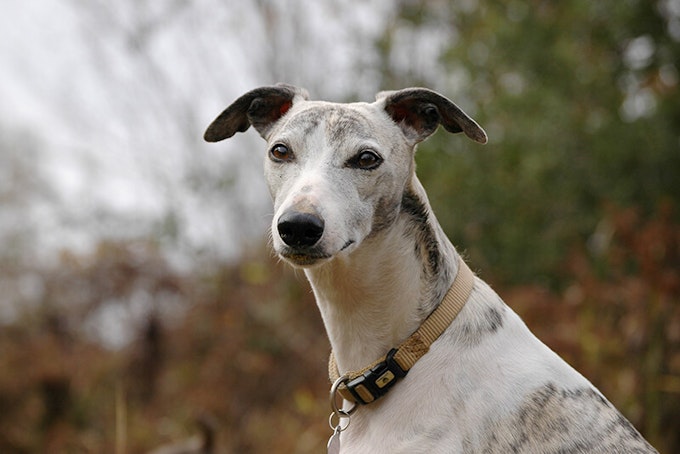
(338, 412)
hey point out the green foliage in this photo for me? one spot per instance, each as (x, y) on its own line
(582, 106)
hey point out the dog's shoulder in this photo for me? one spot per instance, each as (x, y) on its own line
(521, 396)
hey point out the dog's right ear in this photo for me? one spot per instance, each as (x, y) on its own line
(261, 107)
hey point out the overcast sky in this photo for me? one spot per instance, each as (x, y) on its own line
(104, 105)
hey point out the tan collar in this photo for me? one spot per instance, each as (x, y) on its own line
(371, 382)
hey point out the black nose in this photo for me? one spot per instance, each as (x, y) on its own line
(300, 229)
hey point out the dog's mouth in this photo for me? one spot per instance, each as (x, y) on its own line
(303, 257)
(308, 257)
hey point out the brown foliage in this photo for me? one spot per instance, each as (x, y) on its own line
(244, 345)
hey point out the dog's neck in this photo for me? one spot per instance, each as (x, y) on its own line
(375, 297)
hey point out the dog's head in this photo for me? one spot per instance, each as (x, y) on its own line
(337, 172)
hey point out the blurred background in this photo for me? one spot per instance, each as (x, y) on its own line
(139, 301)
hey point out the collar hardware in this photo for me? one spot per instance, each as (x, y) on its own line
(376, 381)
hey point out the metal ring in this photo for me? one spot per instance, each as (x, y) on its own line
(334, 403)
(337, 427)
(338, 412)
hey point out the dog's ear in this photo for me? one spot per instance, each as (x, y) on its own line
(261, 107)
(418, 111)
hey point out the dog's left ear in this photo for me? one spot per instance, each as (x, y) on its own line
(418, 112)
(261, 107)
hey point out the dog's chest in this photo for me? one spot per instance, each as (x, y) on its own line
(438, 408)
(474, 381)
(400, 430)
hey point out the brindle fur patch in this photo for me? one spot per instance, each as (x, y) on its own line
(558, 420)
(426, 246)
(340, 124)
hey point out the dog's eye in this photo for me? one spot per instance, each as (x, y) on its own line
(366, 160)
(281, 153)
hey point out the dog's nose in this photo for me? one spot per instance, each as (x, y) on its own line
(300, 229)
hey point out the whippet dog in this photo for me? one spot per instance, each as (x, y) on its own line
(350, 211)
